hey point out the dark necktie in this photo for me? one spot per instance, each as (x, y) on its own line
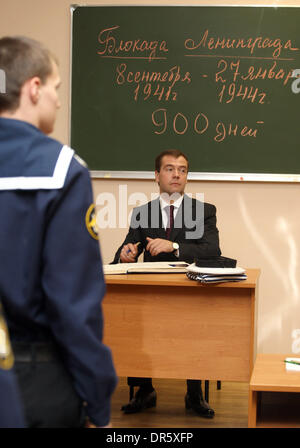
(170, 222)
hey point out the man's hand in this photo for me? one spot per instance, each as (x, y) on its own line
(158, 245)
(128, 253)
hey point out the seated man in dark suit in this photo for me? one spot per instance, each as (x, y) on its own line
(173, 227)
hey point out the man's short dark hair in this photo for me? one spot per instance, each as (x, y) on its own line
(169, 152)
(22, 58)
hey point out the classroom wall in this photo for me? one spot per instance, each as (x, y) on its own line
(258, 222)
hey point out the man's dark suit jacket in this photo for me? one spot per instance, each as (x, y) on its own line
(146, 221)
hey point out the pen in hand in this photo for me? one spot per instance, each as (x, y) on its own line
(129, 252)
(136, 244)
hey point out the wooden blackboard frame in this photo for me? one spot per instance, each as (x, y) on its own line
(194, 176)
(198, 176)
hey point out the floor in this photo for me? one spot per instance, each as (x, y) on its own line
(230, 405)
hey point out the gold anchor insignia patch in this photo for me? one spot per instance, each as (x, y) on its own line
(6, 354)
(90, 221)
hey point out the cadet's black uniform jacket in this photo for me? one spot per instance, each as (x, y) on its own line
(51, 280)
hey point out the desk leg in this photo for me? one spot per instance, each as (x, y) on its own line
(131, 392)
(252, 409)
(206, 390)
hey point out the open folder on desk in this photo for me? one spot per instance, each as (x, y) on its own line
(154, 267)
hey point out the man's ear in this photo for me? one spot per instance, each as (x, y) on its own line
(33, 86)
(156, 176)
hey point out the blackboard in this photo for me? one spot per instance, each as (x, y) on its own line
(214, 82)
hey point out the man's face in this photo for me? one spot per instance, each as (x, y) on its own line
(49, 101)
(172, 176)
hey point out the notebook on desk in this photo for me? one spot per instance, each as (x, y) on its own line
(154, 267)
(215, 275)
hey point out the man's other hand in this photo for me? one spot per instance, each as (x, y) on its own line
(159, 245)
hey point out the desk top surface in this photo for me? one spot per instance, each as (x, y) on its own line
(270, 374)
(179, 280)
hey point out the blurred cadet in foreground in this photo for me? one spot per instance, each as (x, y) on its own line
(51, 280)
(11, 412)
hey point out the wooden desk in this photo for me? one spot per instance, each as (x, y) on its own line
(274, 393)
(167, 326)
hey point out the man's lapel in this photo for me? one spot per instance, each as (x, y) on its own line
(178, 222)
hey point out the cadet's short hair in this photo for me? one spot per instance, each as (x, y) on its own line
(169, 152)
(22, 58)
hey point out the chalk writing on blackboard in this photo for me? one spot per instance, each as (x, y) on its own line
(180, 123)
(113, 48)
(233, 82)
(251, 44)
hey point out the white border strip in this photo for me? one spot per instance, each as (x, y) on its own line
(56, 181)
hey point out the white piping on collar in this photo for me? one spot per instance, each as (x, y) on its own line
(56, 181)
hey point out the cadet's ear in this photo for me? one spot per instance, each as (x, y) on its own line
(32, 88)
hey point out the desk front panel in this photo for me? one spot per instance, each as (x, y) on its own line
(179, 332)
